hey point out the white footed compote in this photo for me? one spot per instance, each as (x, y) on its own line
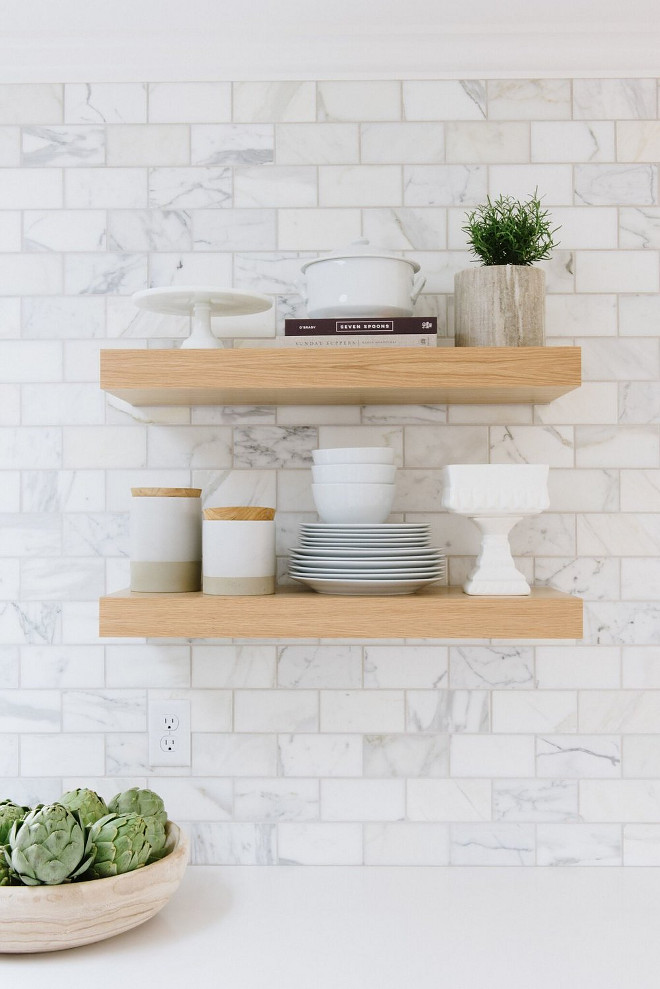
(495, 497)
(201, 302)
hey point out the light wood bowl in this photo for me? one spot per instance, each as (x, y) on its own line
(50, 918)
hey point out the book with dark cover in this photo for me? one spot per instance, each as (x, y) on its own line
(346, 327)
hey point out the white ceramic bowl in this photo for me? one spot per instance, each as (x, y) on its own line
(354, 473)
(50, 918)
(353, 502)
(354, 455)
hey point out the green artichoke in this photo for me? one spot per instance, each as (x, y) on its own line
(9, 813)
(5, 871)
(86, 803)
(120, 845)
(48, 847)
(148, 805)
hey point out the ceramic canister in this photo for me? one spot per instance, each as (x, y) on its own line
(238, 550)
(166, 539)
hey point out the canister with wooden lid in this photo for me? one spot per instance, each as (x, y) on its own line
(166, 539)
(239, 550)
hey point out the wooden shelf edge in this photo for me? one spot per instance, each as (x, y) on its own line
(437, 613)
(333, 376)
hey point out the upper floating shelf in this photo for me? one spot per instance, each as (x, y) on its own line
(329, 376)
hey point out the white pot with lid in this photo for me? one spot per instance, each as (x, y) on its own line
(361, 281)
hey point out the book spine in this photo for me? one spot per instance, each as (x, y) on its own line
(415, 325)
(398, 340)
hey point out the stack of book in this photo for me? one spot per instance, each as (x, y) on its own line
(408, 331)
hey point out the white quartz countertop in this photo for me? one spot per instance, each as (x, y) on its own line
(380, 928)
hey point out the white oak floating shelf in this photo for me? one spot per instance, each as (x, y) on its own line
(329, 376)
(436, 613)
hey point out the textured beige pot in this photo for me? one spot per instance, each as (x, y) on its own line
(50, 918)
(500, 305)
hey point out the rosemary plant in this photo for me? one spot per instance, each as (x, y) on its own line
(507, 231)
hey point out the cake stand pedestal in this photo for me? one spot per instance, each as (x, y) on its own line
(201, 302)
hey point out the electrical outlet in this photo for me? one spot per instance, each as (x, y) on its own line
(169, 733)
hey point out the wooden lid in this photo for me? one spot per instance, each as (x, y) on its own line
(166, 492)
(252, 513)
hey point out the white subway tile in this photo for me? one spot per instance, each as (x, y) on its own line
(617, 185)
(107, 188)
(189, 102)
(405, 666)
(581, 315)
(534, 711)
(64, 146)
(594, 579)
(103, 102)
(320, 666)
(147, 666)
(359, 100)
(189, 446)
(641, 756)
(317, 144)
(406, 756)
(30, 103)
(274, 101)
(447, 710)
(233, 666)
(535, 800)
(430, 447)
(639, 315)
(235, 229)
(316, 229)
(406, 844)
(319, 844)
(402, 143)
(639, 227)
(554, 182)
(552, 445)
(492, 844)
(222, 843)
(451, 99)
(563, 757)
(30, 274)
(276, 800)
(30, 711)
(487, 142)
(149, 230)
(490, 666)
(641, 844)
(406, 229)
(359, 185)
(619, 535)
(607, 446)
(640, 579)
(319, 755)
(492, 755)
(619, 711)
(578, 844)
(444, 185)
(22, 189)
(232, 144)
(276, 710)
(59, 667)
(575, 667)
(56, 579)
(362, 710)
(8, 756)
(641, 667)
(147, 144)
(55, 755)
(583, 490)
(620, 800)
(573, 141)
(616, 623)
(64, 230)
(31, 622)
(239, 755)
(104, 710)
(529, 99)
(201, 799)
(449, 800)
(639, 401)
(26, 535)
(612, 98)
(363, 800)
(103, 447)
(101, 274)
(279, 185)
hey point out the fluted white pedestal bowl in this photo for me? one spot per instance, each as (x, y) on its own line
(495, 497)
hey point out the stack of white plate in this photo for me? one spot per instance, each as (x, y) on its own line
(363, 558)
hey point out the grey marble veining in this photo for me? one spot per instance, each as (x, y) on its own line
(448, 710)
(491, 666)
(274, 446)
(63, 146)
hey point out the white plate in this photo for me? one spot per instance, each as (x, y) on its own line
(377, 572)
(368, 526)
(366, 587)
(382, 544)
(181, 299)
(367, 563)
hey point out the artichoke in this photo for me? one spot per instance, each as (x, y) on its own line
(149, 806)
(9, 813)
(48, 847)
(120, 845)
(5, 871)
(86, 803)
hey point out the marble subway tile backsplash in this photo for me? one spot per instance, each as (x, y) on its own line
(332, 753)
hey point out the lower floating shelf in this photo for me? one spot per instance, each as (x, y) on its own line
(436, 613)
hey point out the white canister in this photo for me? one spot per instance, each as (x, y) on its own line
(166, 539)
(238, 551)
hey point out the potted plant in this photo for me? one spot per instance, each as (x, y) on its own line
(502, 303)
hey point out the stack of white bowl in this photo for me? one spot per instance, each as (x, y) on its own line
(353, 484)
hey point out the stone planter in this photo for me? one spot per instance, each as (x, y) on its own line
(500, 305)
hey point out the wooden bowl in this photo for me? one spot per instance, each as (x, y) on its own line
(50, 918)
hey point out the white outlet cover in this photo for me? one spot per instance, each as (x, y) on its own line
(159, 711)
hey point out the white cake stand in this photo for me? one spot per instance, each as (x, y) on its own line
(201, 302)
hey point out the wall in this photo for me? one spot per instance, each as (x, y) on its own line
(389, 752)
